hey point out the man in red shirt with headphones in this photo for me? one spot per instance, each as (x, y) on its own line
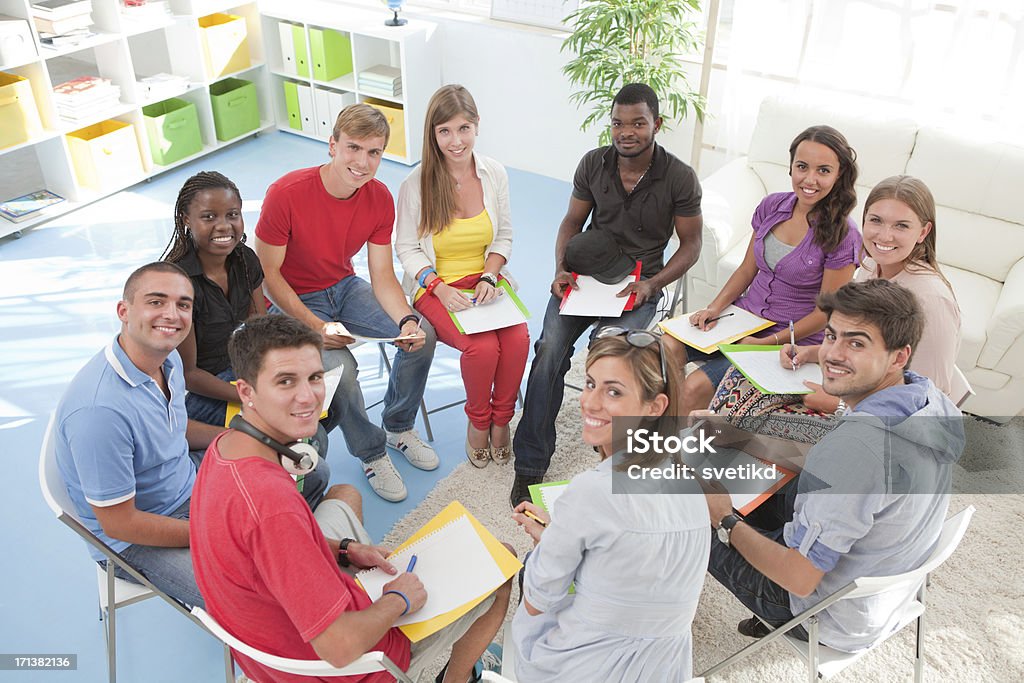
(262, 558)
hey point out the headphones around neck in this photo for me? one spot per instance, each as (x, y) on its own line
(297, 458)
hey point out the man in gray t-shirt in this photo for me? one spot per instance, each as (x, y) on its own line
(874, 492)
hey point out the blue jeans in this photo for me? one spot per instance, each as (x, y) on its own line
(208, 410)
(351, 302)
(534, 441)
(169, 569)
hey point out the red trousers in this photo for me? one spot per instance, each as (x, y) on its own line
(492, 362)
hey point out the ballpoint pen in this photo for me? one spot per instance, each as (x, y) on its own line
(792, 344)
(535, 518)
(712, 320)
(412, 564)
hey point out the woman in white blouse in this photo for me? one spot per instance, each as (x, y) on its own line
(637, 562)
(453, 235)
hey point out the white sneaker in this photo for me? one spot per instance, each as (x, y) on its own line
(418, 453)
(384, 479)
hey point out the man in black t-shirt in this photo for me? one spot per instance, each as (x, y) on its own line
(638, 193)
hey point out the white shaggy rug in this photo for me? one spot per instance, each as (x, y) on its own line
(975, 617)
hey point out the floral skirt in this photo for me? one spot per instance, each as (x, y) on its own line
(779, 415)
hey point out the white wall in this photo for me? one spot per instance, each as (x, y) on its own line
(515, 74)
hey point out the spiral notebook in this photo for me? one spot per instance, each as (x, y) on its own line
(459, 562)
(544, 495)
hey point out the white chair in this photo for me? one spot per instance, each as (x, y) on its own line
(825, 662)
(114, 592)
(371, 662)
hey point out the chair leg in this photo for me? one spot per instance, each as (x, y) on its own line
(812, 650)
(110, 627)
(229, 666)
(919, 644)
(425, 414)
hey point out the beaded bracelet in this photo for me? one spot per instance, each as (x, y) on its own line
(433, 284)
(408, 605)
(423, 276)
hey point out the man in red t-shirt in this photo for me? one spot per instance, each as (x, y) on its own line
(262, 561)
(313, 222)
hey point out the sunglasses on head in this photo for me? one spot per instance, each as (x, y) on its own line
(639, 339)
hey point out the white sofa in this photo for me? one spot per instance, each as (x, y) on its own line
(979, 188)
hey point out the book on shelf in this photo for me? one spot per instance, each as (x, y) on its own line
(381, 73)
(162, 85)
(61, 26)
(374, 89)
(70, 38)
(29, 205)
(60, 9)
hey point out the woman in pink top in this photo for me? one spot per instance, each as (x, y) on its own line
(803, 244)
(899, 245)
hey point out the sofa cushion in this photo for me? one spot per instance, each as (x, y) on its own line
(977, 296)
(883, 143)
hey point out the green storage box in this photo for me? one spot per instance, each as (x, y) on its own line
(172, 127)
(235, 109)
(331, 52)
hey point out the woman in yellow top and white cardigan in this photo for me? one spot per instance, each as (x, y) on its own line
(454, 232)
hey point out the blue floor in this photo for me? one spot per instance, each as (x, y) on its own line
(58, 290)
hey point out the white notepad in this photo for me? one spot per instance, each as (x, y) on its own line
(595, 299)
(332, 378)
(762, 367)
(738, 324)
(452, 562)
(504, 311)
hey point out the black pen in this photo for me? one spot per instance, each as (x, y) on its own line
(712, 320)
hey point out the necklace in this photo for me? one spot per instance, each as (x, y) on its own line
(458, 181)
(642, 175)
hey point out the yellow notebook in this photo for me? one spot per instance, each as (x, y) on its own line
(734, 323)
(452, 541)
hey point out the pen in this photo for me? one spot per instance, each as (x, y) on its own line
(712, 320)
(535, 518)
(792, 344)
(412, 564)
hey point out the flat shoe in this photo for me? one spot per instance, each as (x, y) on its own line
(501, 454)
(753, 628)
(478, 457)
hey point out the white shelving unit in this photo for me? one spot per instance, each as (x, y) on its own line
(412, 48)
(124, 50)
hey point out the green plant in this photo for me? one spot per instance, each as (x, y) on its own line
(632, 41)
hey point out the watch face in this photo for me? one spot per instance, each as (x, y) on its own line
(723, 535)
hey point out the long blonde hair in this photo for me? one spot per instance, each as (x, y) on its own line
(437, 186)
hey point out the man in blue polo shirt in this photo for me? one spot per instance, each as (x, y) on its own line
(123, 437)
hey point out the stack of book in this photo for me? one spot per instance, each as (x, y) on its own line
(161, 86)
(85, 98)
(29, 205)
(62, 22)
(381, 80)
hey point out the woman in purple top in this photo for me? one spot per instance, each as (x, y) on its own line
(804, 243)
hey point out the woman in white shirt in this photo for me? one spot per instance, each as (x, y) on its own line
(637, 561)
(454, 233)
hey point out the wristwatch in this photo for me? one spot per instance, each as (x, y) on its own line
(343, 560)
(489, 278)
(726, 525)
(841, 408)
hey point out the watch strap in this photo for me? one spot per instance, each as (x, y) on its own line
(343, 560)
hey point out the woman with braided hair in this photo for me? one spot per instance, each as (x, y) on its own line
(209, 244)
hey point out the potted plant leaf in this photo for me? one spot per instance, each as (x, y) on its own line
(632, 41)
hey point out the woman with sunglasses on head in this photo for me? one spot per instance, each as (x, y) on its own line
(209, 244)
(637, 562)
(899, 245)
(453, 234)
(804, 243)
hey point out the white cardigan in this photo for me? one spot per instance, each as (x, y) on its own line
(416, 253)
